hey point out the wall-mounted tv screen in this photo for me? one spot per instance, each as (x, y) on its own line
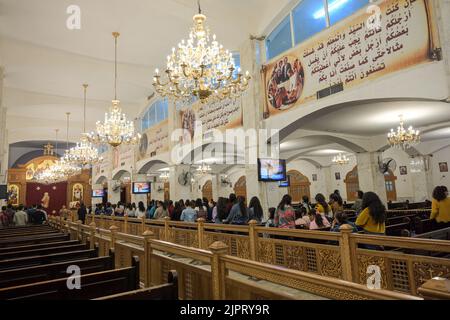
(271, 170)
(141, 187)
(98, 193)
(286, 183)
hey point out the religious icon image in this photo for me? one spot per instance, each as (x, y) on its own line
(286, 83)
(45, 202)
(338, 175)
(143, 145)
(188, 124)
(13, 194)
(403, 171)
(314, 177)
(77, 192)
(443, 167)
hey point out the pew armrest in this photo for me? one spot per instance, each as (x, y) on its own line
(436, 289)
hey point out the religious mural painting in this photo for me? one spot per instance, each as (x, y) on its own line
(13, 194)
(349, 54)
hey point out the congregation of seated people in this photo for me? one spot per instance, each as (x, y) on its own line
(368, 213)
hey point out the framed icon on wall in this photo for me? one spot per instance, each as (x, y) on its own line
(403, 170)
(443, 166)
(338, 175)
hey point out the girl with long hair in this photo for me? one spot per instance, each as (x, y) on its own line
(255, 210)
(317, 221)
(285, 214)
(373, 216)
(322, 206)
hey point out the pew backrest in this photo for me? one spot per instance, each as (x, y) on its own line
(22, 276)
(39, 246)
(168, 291)
(47, 259)
(41, 252)
(30, 240)
(91, 286)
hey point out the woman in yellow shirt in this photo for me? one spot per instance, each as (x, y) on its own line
(372, 218)
(440, 206)
(322, 206)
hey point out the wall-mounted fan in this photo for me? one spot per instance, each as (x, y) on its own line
(387, 164)
(185, 178)
(225, 181)
(117, 185)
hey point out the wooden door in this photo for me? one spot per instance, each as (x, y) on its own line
(391, 190)
(352, 184)
(299, 186)
(207, 190)
(166, 191)
(240, 188)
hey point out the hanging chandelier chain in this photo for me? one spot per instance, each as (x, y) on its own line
(85, 86)
(67, 132)
(116, 35)
(199, 7)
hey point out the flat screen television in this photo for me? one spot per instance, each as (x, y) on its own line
(98, 193)
(286, 183)
(141, 188)
(271, 170)
(3, 192)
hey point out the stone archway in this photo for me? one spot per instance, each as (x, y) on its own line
(207, 190)
(299, 186)
(240, 188)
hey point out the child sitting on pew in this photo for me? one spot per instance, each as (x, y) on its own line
(340, 219)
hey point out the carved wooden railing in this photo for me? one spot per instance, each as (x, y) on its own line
(212, 273)
(404, 265)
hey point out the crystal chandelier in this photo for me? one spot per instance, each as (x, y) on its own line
(52, 174)
(341, 159)
(201, 68)
(84, 154)
(64, 167)
(116, 129)
(165, 176)
(403, 138)
(204, 169)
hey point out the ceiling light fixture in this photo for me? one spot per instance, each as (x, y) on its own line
(403, 138)
(341, 159)
(201, 68)
(116, 129)
(84, 154)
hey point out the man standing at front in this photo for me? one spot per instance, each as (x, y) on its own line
(21, 217)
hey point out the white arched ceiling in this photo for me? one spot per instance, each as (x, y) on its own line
(101, 180)
(121, 174)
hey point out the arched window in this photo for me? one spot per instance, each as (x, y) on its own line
(207, 190)
(158, 111)
(299, 186)
(240, 188)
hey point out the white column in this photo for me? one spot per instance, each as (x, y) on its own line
(328, 176)
(370, 177)
(422, 181)
(178, 191)
(3, 134)
(113, 196)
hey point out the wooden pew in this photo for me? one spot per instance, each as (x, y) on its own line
(22, 276)
(43, 251)
(47, 259)
(39, 246)
(24, 228)
(167, 291)
(31, 240)
(92, 286)
(398, 230)
(29, 233)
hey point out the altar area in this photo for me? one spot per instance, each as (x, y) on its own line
(23, 187)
